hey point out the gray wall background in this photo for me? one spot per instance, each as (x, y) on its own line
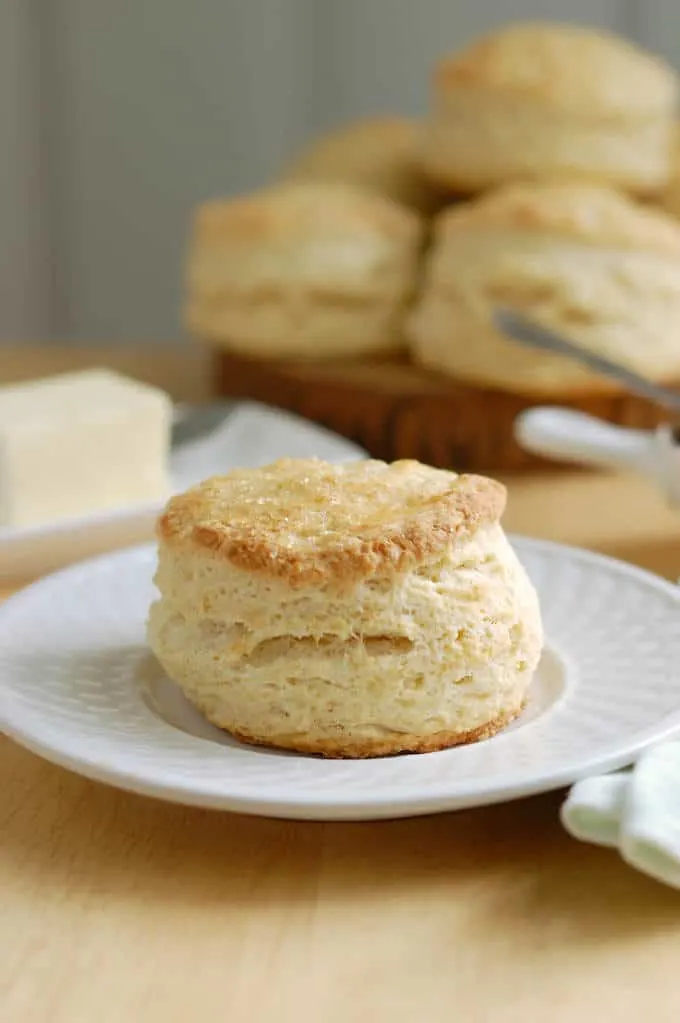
(118, 116)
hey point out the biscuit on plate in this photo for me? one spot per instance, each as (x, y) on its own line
(540, 99)
(380, 154)
(584, 259)
(352, 611)
(308, 270)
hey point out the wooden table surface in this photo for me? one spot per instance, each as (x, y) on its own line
(119, 909)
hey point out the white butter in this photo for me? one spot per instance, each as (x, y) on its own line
(81, 443)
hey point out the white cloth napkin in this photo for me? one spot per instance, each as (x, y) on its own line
(253, 435)
(635, 811)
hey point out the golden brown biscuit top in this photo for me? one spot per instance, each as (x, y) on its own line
(378, 154)
(303, 211)
(589, 213)
(581, 69)
(308, 522)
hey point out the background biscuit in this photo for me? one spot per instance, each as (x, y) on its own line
(583, 259)
(535, 100)
(311, 269)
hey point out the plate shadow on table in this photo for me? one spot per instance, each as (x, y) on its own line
(85, 838)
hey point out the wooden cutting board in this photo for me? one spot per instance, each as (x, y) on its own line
(396, 410)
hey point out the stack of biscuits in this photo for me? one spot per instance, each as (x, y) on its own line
(543, 178)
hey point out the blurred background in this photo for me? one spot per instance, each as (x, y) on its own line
(118, 116)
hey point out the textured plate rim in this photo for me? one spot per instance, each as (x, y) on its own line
(438, 798)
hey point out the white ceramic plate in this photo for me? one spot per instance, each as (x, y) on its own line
(79, 687)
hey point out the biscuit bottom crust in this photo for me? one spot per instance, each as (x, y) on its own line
(346, 748)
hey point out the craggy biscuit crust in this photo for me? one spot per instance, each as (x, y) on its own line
(309, 523)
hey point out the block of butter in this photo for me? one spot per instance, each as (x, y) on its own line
(81, 443)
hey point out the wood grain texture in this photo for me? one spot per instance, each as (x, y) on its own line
(119, 909)
(396, 410)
